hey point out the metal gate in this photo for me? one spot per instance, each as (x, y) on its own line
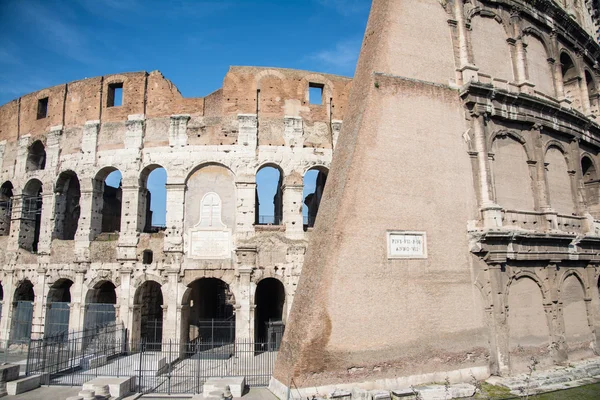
(99, 314)
(57, 318)
(274, 334)
(22, 317)
(216, 330)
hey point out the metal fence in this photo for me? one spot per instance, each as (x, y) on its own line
(216, 330)
(169, 367)
(21, 320)
(57, 318)
(99, 314)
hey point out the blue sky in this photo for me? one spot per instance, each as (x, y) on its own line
(193, 43)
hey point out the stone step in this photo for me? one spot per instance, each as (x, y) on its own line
(23, 385)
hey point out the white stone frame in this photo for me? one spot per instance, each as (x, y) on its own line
(421, 234)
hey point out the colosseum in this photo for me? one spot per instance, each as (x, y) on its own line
(458, 234)
(79, 250)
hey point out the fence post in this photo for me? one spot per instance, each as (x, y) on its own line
(170, 369)
(27, 368)
(140, 373)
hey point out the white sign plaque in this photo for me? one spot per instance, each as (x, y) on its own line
(406, 244)
(210, 238)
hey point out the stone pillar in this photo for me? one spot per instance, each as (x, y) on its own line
(467, 69)
(175, 205)
(46, 224)
(171, 301)
(39, 304)
(125, 294)
(12, 245)
(245, 208)
(244, 316)
(247, 131)
(336, 127)
(130, 217)
(90, 220)
(22, 153)
(77, 299)
(89, 142)
(178, 130)
(497, 312)
(292, 132)
(9, 290)
(292, 210)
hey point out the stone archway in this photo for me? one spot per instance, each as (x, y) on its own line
(100, 305)
(22, 313)
(58, 308)
(269, 300)
(148, 313)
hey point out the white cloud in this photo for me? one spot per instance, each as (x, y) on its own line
(342, 57)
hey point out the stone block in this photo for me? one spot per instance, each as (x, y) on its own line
(90, 362)
(380, 395)
(236, 385)
(459, 390)
(341, 395)
(118, 387)
(9, 372)
(24, 384)
(403, 394)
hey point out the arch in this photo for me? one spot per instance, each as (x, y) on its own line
(22, 313)
(269, 185)
(206, 164)
(269, 312)
(559, 181)
(153, 198)
(539, 68)
(66, 205)
(314, 181)
(321, 80)
(58, 308)
(592, 91)
(535, 32)
(502, 133)
(207, 312)
(148, 313)
(36, 157)
(590, 180)
(31, 215)
(6, 200)
(527, 323)
(570, 77)
(578, 333)
(491, 51)
(267, 73)
(100, 301)
(513, 184)
(107, 204)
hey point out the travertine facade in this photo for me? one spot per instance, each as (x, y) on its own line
(67, 237)
(471, 138)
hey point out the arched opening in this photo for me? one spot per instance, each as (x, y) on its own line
(148, 314)
(269, 196)
(527, 324)
(36, 157)
(100, 305)
(314, 184)
(538, 67)
(6, 197)
(106, 212)
(22, 313)
(67, 209)
(491, 52)
(590, 181)
(512, 178)
(570, 80)
(153, 199)
(269, 312)
(578, 334)
(591, 92)
(58, 308)
(31, 216)
(559, 182)
(208, 316)
(147, 257)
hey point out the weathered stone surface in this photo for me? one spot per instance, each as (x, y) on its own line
(117, 387)
(24, 384)
(236, 385)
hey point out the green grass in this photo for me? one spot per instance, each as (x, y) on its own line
(588, 392)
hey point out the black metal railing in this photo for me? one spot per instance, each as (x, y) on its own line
(169, 367)
(270, 220)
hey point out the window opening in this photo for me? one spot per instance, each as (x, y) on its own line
(36, 157)
(269, 196)
(115, 95)
(314, 184)
(315, 94)
(42, 109)
(147, 257)
(6, 197)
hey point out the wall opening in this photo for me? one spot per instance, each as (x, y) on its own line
(36, 157)
(100, 305)
(58, 308)
(208, 317)
(66, 207)
(114, 97)
(31, 216)
(269, 196)
(147, 257)
(6, 198)
(512, 178)
(591, 92)
(42, 108)
(106, 211)
(590, 182)
(314, 184)
(148, 314)
(315, 93)
(22, 315)
(579, 337)
(570, 80)
(268, 314)
(153, 199)
(559, 182)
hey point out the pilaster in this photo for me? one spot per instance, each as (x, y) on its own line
(244, 321)
(292, 211)
(292, 133)
(178, 130)
(175, 204)
(247, 130)
(89, 142)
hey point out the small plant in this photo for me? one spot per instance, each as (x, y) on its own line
(376, 85)
(447, 388)
(416, 393)
(525, 391)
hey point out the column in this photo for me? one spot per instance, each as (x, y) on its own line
(292, 210)
(244, 316)
(77, 305)
(248, 131)
(39, 304)
(175, 205)
(499, 335)
(46, 224)
(129, 235)
(90, 220)
(245, 208)
(125, 296)
(466, 68)
(178, 130)
(9, 290)
(171, 318)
